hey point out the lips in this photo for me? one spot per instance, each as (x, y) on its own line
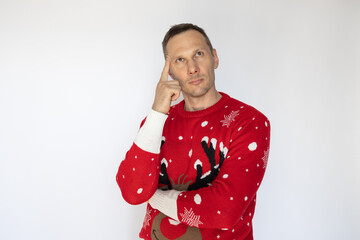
(196, 81)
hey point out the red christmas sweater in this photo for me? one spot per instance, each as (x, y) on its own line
(199, 171)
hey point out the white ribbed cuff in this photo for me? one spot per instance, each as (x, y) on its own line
(149, 135)
(165, 202)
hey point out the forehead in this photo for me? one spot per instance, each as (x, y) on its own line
(186, 42)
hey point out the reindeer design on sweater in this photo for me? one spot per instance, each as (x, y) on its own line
(180, 231)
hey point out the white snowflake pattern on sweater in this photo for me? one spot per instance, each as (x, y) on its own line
(229, 118)
(190, 218)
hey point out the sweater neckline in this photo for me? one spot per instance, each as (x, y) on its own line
(200, 113)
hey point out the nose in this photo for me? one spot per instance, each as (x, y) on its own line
(192, 67)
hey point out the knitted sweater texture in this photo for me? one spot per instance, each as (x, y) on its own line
(199, 171)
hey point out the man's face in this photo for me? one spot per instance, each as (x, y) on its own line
(192, 63)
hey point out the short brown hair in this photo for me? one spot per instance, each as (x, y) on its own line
(179, 28)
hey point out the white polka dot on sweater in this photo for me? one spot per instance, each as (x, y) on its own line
(246, 198)
(204, 123)
(239, 128)
(231, 198)
(134, 169)
(266, 124)
(180, 138)
(197, 199)
(139, 190)
(252, 146)
(190, 153)
(225, 175)
(218, 212)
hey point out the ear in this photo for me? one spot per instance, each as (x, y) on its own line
(216, 59)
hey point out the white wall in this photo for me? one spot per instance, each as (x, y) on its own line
(77, 77)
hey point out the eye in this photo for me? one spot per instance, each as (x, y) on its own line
(179, 60)
(199, 53)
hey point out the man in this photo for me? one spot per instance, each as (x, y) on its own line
(199, 163)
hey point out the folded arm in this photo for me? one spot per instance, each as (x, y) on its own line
(223, 203)
(138, 174)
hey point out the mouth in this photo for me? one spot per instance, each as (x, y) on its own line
(154, 232)
(196, 81)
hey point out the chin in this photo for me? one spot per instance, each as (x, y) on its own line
(196, 93)
(199, 90)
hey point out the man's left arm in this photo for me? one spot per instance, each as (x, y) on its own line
(223, 202)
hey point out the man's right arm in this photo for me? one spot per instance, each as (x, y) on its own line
(138, 174)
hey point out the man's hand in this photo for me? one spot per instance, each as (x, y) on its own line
(166, 91)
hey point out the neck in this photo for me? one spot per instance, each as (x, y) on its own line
(202, 102)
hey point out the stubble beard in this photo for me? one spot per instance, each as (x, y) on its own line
(198, 91)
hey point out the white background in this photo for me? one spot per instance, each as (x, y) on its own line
(77, 77)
